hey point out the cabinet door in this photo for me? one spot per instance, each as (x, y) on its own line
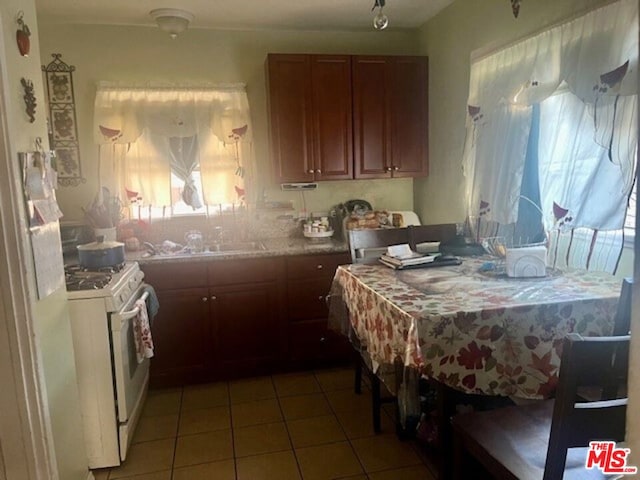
(312, 344)
(306, 298)
(289, 87)
(370, 117)
(247, 328)
(408, 80)
(390, 116)
(181, 334)
(332, 119)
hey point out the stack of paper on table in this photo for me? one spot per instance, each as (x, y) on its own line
(400, 256)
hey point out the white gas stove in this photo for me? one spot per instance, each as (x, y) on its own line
(111, 382)
(120, 285)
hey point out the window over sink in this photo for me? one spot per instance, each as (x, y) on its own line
(175, 150)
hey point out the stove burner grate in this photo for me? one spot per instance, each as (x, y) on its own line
(79, 278)
(81, 268)
(87, 280)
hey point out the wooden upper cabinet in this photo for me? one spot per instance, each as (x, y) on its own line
(289, 85)
(409, 112)
(335, 117)
(390, 116)
(332, 119)
(310, 117)
(371, 118)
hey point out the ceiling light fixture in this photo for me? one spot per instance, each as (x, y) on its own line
(172, 20)
(380, 21)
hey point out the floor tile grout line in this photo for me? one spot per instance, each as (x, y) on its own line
(175, 441)
(345, 433)
(286, 426)
(233, 441)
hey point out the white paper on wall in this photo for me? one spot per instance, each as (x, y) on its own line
(47, 258)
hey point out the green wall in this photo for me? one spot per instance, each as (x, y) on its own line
(146, 54)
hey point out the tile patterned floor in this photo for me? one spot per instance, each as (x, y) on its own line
(301, 426)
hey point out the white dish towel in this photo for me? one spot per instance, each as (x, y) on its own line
(142, 332)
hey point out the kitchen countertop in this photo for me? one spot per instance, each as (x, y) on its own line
(274, 247)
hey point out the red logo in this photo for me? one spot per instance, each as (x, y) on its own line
(608, 458)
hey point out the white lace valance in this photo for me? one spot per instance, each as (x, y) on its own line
(122, 113)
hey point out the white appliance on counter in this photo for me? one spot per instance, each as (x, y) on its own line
(111, 382)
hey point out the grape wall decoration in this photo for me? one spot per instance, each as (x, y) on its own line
(63, 130)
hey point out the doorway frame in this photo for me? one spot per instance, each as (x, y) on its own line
(26, 446)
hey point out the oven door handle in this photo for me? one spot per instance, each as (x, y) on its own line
(124, 316)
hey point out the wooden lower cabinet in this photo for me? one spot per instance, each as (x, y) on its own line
(238, 318)
(181, 333)
(311, 343)
(247, 329)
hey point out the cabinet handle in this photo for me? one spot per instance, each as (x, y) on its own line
(213, 298)
(318, 171)
(388, 169)
(204, 299)
(319, 267)
(395, 169)
(311, 170)
(321, 298)
(323, 339)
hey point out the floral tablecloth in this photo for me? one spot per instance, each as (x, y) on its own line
(475, 332)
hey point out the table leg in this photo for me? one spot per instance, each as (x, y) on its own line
(357, 388)
(377, 404)
(445, 405)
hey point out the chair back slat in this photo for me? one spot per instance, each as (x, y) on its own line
(360, 240)
(622, 320)
(430, 233)
(585, 361)
(606, 418)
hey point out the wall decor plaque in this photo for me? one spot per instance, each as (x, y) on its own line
(22, 35)
(63, 130)
(29, 99)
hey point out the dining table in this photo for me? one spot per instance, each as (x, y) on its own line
(470, 328)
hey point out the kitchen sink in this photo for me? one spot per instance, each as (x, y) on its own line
(214, 249)
(237, 247)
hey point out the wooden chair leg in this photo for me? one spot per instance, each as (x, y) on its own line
(458, 459)
(376, 403)
(358, 375)
(446, 408)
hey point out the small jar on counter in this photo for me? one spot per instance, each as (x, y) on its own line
(132, 244)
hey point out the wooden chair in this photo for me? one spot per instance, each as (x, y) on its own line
(538, 441)
(610, 388)
(366, 246)
(430, 233)
(375, 241)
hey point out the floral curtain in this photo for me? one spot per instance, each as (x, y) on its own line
(147, 133)
(585, 69)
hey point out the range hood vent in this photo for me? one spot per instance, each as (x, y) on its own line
(298, 186)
